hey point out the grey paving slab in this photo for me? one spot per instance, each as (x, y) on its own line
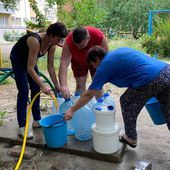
(29, 153)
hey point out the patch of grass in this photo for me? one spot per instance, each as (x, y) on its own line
(6, 63)
(2, 115)
(132, 43)
(6, 81)
(42, 62)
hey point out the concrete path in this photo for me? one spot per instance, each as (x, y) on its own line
(153, 144)
(153, 147)
(73, 146)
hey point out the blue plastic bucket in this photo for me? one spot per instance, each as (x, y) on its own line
(154, 109)
(56, 135)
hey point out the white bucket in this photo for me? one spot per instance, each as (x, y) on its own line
(106, 142)
(105, 118)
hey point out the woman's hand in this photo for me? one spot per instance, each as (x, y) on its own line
(69, 114)
(46, 90)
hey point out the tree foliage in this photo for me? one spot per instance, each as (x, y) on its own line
(56, 2)
(159, 41)
(131, 15)
(41, 20)
(124, 15)
(10, 4)
(82, 12)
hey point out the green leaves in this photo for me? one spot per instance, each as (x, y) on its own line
(132, 15)
(159, 42)
(84, 12)
(2, 115)
(41, 20)
(56, 2)
(124, 15)
(8, 4)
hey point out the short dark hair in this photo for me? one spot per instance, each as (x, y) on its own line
(79, 34)
(94, 53)
(57, 29)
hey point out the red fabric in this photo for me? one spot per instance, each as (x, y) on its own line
(79, 56)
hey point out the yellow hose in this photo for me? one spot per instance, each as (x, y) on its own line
(26, 127)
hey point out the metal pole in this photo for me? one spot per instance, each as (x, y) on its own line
(150, 23)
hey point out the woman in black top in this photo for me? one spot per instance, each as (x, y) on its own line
(24, 57)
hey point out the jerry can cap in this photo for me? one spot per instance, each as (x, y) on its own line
(98, 108)
(110, 107)
(67, 99)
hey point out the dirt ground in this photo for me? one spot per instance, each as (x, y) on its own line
(153, 141)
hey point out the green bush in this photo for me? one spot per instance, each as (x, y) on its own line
(159, 41)
(12, 36)
(6, 36)
(150, 45)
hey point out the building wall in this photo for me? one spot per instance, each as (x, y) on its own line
(22, 14)
(4, 20)
(15, 20)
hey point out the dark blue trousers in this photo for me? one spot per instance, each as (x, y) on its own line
(24, 82)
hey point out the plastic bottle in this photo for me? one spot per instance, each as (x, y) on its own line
(107, 99)
(100, 102)
(60, 100)
(91, 103)
(81, 122)
(63, 108)
(75, 97)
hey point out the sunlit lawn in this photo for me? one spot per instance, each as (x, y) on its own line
(113, 44)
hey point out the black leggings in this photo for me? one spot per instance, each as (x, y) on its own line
(22, 79)
(133, 100)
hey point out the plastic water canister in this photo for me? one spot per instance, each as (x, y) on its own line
(106, 142)
(65, 105)
(54, 109)
(91, 103)
(99, 102)
(63, 108)
(107, 99)
(105, 118)
(60, 100)
(81, 122)
(75, 97)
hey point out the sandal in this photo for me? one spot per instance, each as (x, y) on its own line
(123, 140)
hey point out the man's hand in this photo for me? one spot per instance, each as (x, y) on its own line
(65, 92)
(57, 90)
(68, 115)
